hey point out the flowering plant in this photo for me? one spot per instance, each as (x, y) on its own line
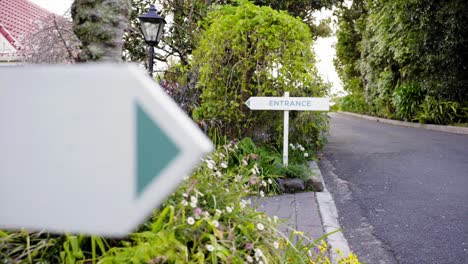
(209, 218)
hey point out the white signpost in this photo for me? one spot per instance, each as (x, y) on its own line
(287, 104)
(89, 148)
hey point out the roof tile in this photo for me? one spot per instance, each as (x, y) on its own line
(19, 17)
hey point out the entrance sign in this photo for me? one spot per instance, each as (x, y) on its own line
(287, 104)
(90, 148)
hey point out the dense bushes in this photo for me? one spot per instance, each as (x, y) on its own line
(407, 99)
(354, 103)
(406, 58)
(247, 51)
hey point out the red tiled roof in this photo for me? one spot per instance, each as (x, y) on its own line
(4, 32)
(19, 17)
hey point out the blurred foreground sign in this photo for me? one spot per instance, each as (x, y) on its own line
(90, 148)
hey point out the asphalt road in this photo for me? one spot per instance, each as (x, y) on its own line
(401, 193)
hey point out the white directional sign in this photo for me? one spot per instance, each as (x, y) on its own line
(89, 148)
(289, 103)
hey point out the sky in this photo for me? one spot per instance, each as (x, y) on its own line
(324, 47)
(58, 7)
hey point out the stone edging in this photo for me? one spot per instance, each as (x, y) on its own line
(329, 217)
(449, 129)
(293, 185)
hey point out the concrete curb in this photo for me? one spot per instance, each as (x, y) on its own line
(448, 129)
(329, 217)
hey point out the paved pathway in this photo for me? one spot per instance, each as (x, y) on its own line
(300, 210)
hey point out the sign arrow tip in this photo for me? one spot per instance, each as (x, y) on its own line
(155, 149)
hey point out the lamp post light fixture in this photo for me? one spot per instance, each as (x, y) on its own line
(152, 25)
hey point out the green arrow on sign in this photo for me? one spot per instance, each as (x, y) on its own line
(155, 150)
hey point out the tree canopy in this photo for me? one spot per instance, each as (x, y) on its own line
(416, 48)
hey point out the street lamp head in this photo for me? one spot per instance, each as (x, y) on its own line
(152, 25)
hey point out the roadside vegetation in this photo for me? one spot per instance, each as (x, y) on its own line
(404, 59)
(210, 218)
(235, 52)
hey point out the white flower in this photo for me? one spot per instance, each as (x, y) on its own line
(275, 218)
(224, 164)
(206, 214)
(184, 203)
(209, 247)
(258, 253)
(218, 212)
(260, 226)
(270, 181)
(249, 259)
(218, 174)
(210, 163)
(193, 199)
(260, 262)
(256, 168)
(242, 205)
(254, 171)
(228, 209)
(264, 183)
(306, 154)
(276, 244)
(184, 195)
(193, 205)
(190, 220)
(245, 162)
(262, 194)
(215, 223)
(292, 146)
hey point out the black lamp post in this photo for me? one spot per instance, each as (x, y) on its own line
(152, 25)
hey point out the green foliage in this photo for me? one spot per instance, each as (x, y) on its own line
(354, 103)
(180, 37)
(25, 247)
(418, 43)
(247, 51)
(309, 129)
(441, 112)
(270, 160)
(407, 99)
(347, 54)
(294, 171)
(208, 219)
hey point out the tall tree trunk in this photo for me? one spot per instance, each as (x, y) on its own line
(100, 25)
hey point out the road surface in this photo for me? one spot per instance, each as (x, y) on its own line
(401, 193)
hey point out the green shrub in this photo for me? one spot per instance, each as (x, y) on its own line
(354, 103)
(308, 129)
(245, 51)
(407, 99)
(441, 112)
